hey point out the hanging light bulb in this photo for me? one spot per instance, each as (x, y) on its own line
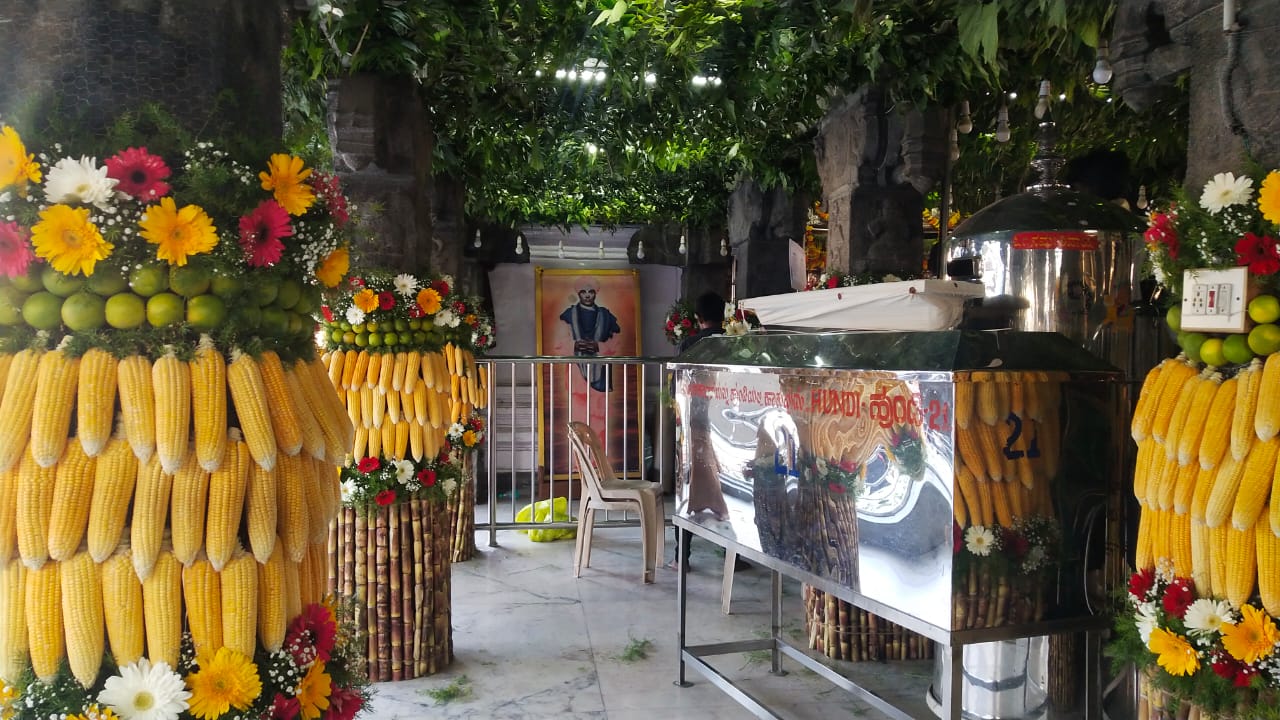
(684, 246)
(724, 245)
(601, 248)
(965, 124)
(1042, 104)
(520, 244)
(1102, 69)
(560, 248)
(640, 250)
(476, 243)
(1002, 124)
(955, 145)
(1142, 197)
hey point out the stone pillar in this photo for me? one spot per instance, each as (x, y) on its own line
(211, 63)
(876, 166)
(450, 249)
(761, 224)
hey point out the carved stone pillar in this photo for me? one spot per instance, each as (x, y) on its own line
(761, 224)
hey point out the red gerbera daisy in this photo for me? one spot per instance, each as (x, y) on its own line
(368, 464)
(139, 173)
(427, 477)
(312, 634)
(15, 249)
(327, 313)
(1178, 597)
(285, 708)
(1259, 253)
(260, 233)
(328, 192)
(386, 300)
(441, 287)
(344, 704)
(385, 498)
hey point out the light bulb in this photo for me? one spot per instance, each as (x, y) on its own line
(560, 249)
(684, 247)
(1002, 125)
(476, 242)
(1142, 197)
(1102, 69)
(965, 124)
(724, 246)
(955, 145)
(640, 250)
(1042, 104)
(601, 249)
(520, 244)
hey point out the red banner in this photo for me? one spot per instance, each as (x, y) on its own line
(1055, 240)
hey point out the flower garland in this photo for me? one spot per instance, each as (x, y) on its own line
(379, 481)
(395, 312)
(837, 279)
(465, 437)
(1030, 546)
(680, 322)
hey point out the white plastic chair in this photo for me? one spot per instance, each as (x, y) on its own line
(603, 490)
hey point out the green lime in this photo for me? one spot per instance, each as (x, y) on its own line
(107, 281)
(165, 309)
(390, 338)
(310, 300)
(1211, 352)
(264, 292)
(415, 324)
(274, 321)
(84, 311)
(28, 283)
(1264, 339)
(206, 312)
(419, 337)
(189, 280)
(349, 338)
(358, 327)
(362, 339)
(1235, 348)
(344, 325)
(59, 284)
(250, 316)
(1264, 309)
(42, 311)
(288, 293)
(125, 311)
(296, 324)
(11, 299)
(226, 286)
(335, 335)
(149, 279)
(401, 324)
(371, 326)
(1190, 344)
(375, 340)
(1174, 318)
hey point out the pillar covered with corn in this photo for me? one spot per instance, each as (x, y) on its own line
(168, 463)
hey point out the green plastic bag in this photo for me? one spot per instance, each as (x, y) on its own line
(556, 510)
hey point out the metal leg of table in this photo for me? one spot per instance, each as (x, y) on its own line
(682, 575)
(775, 622)
(952, 705)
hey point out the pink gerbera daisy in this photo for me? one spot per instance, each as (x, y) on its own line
(15, 249)
(139, 173)
(260, 233)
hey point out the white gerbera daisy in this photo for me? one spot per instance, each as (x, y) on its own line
(446, 318)
(406, 284)
(79, 181)
(1207, 616)
(348, 490)
(404, 471)
(1147, 621)
(979, 540)
(449, 486)
(355, 315)
(1225, 190)
(143, 691)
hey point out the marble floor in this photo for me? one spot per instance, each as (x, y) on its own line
(531, 641)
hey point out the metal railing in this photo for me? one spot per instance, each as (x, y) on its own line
(526, 456)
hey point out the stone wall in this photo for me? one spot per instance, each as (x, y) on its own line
(761, 225)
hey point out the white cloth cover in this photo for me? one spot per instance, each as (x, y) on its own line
(903, 305)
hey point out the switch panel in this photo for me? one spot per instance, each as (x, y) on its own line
(1215, 300)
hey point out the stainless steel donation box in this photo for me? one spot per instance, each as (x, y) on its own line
(963, 484)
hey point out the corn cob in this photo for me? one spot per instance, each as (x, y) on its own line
(1159, 536)
(959, 507)
(122, 608)
(1201, 558)
(436, 410)
(202, 593)
(188, 499)
(1177, 422)
(318, 514)
(429, 370)
(150, 509)
(1179, 373)
(1267, 546)
(240, 603)
(1266, 420)
(373, 370)
(82, 617)
(55, 397)
(226, 504)
(360, 448)
(334, 364)
(401, 439)
(1242, 432)
(35, 499)
(17, 405)
(6, 360)
(386, 373)
(339, 432)
(353, 408)
(1140, 427)
(272, 589)
(377, 406)
(374, 448)
(421, 413)
(284, 416)
(162, 609)
(1000, 503)
(1183, 489)
(306, 579)
(1197, 418)
(8, 519)
(96, 400)
(349, 363)
(171, 383)
(1216, 437)
(412, 372)
(45, 638)
(979, 512)
(392, 400)
(1204, 489)
(293, 505)
(249, 396)
(1143, 466)
(313, 441)
(1223, 496)
(262, 509)
(1180, 544)
(416, 444)
(209, 396)
(292, 589)
(114, 476)
(1142, 557)
(137, 405)
(72, 496)
(1162, 485)
(1255, 484)
(1241, 565)
(13, 620)
(359, 378)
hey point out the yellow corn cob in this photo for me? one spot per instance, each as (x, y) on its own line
(1183, 489)
(1223, 496)
(401, 440)
(137, 404)
(412, 371)
(171, 383)
(1139, 428)
(416, 444)
(386, 373)
(1197, 418)
(989, 442)
(188, 499)
(45, 637)
(202, 592)
(359, 378)
(334, 366)
(349, 362)
(262, 510)
(249, 396)
(1266, 419)
(272, 589)
(284, 416)
(82, 617)
(1255, 484)
(8, 519)
(35, 509)
(354, 413)
(421, 413)
(1273, 516)
(437, 405)
(482, 382)
(72, 496)
(459, 361)
(1242, 432)
(16, 406)
(318, 512)
(1216, 437)
(55, 398)
(1180, 544)
(339, 433)
(226, 504)
(162, 609)
(240, 603)
(150, 508)
(209, 396)
(1158, 535)
(1143, 465)
(95, 400)
(13, 620)
(1267, 545)
(313, 442)
(375, 442)
(388, 432)
(967, 486)
(6, 359)
(377, 405)
(372, 369)
(455, 389)
(447, 351)
(1241, 565)
(432, 442)
(1142, 557)
(114, 476)
(361, 445)
(366, 407)
(122, 608)
(294, 525)
(1179, 373)
(960, 508)
(1163, 485)
(1204, 488)
(392, 400)
(1001, 505)
(1178, 420)
(292, 590)
(1201, 558)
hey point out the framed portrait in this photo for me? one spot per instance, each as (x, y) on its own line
(589, 314)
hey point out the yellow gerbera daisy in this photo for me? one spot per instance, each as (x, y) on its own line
(366, 300)
(226, 680)
(17, 167)
(313, 692)
(68, 240)
(1173, 652)
(334, 267)
(179, 233)
(284, 177)
(1269, 197)
(469, 438)
(1251, 639)
(429, 301)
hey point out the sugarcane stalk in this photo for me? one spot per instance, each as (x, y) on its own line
(382, 596)
(392, 580)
